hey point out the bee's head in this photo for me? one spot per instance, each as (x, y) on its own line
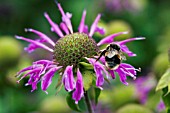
(115, 47)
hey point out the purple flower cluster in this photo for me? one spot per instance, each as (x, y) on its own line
(44, 70)
(123, 5)
(143, 86)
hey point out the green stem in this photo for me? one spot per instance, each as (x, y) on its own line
(88, 103)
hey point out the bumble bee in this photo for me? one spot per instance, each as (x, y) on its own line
(113, 56)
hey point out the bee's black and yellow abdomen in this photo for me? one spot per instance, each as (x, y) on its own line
(71, 48)
(113, 62)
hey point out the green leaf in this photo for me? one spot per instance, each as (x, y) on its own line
(82, 105)
(164, 81)
(166, 99)
(87, 79)
(97, 94)
(86, 65)
(71, 102)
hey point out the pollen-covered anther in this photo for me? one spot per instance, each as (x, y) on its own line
(71, 48)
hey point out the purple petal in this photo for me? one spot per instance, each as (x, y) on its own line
(128, 71)
(100, 30)
(41, 35)
(122, 76)
(161, 106)
(35, 81)
(100, 78)
(79, 92)
(129, 68)
(143, 86)
(43, 62)
(34, 86)
(66, 18)
(94, 25)
(126, 50)
(47, 78)
(55, 27)
(129, 40)
(109, 39)
(31, 72)
(68, 78)
(30, 81)
(85, 30)
(64, 28)
(31, 47)
(23, 70)
(112, 74)
(98, 65)
(82, 22)
(99, 70)
(39, 44)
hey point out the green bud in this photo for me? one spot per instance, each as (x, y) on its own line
(10, 51)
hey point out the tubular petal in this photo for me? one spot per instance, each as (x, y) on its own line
(47, 78)
(66, 18)
(31, 47)
(79, 92)
(99, 70)
(64, 28)
(126, 50)
(129, 40)
(35, 42)
(23, 70)
(109, 39)
(82, 22)
(94, 25)
(122, 76)
(68, 78)
(100, 30)
(41, 35)
(112, 74)
(31, 72)
(54, 25)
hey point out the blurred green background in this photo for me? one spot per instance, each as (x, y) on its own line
(147, 18)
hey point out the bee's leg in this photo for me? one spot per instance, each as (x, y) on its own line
(101, 54)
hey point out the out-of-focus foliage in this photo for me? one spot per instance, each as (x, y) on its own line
(134, 108)
(164, 85)
(147, 18)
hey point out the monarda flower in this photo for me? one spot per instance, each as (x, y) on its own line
(71, 49)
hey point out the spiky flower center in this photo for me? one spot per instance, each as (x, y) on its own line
(70, 49)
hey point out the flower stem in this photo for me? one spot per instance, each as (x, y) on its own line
(88, 103)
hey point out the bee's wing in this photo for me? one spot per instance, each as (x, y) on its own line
(123, 57)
